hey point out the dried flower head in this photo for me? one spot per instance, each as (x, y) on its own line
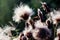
(22, 12)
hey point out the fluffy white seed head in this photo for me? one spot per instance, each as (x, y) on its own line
(21, 10)
(55, 16)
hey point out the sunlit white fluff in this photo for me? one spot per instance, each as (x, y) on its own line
(39, 24)
(55, 15)
(57, 38)
(39, 12)
(58, 31)
(21, 10)
(34, 33)
(6, 33)
(7, 29)
(4, 37)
